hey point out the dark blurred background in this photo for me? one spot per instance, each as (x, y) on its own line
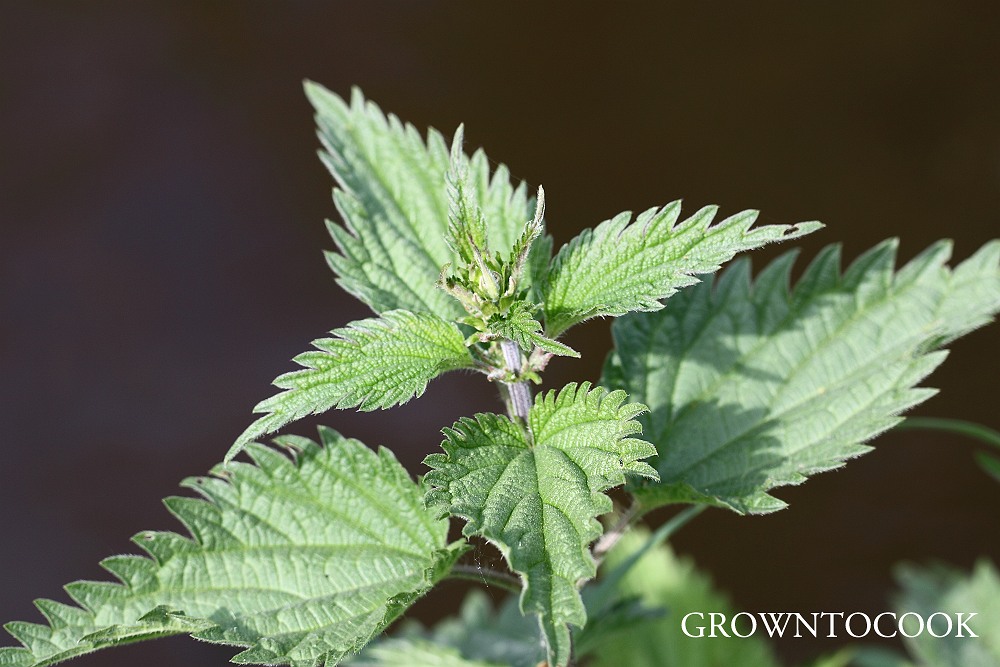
(161, 222)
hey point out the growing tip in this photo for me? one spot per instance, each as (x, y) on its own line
(456, 143)
(540, 206)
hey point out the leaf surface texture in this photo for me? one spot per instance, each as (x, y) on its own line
(300, 562)
(535, 492)
(372, 363)
(393, 197)
(625, 265)
(751, 385)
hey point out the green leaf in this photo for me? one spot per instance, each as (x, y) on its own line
(477, 634)
(535, 492)
(415, 653)
(466, 231)
(300, 561)
(662, 579)
(619, 267)
(520, 326)
(393, 197)
(373, 363)
(751, 386)
(939, 589)
(617, 619)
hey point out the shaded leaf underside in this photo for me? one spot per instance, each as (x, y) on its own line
(753, 386)
(299, 561)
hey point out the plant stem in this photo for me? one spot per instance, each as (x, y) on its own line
(631, 515)
(486, 576)
(519, 393)
(660, 535)
(959, 426)
(615, 533)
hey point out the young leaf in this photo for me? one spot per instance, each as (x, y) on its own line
(619, 267)
(520, 326)
(752, 387)
(520, 254)
(466, 225)
(535, 493)
(393, 198)
(373, 363)
(298, 561)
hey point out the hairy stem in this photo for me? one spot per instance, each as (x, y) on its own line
(518, 393)
(486, 576)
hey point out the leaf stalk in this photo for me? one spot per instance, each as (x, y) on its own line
(487, 576)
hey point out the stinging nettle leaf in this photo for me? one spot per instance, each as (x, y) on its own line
(535, 492)
(520, 326)
(393, 197)
(752, 386)
(300, 561)
(466, 230)
(520, 254)
(372, 363)
(941, 591)
(619, 267)
(477, 634)
(415, 652)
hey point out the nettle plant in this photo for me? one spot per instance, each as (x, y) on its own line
(731, 387)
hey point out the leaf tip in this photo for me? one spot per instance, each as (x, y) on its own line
(803, 228)
(456, 145)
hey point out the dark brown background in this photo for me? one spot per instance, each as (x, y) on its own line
(161, 217)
